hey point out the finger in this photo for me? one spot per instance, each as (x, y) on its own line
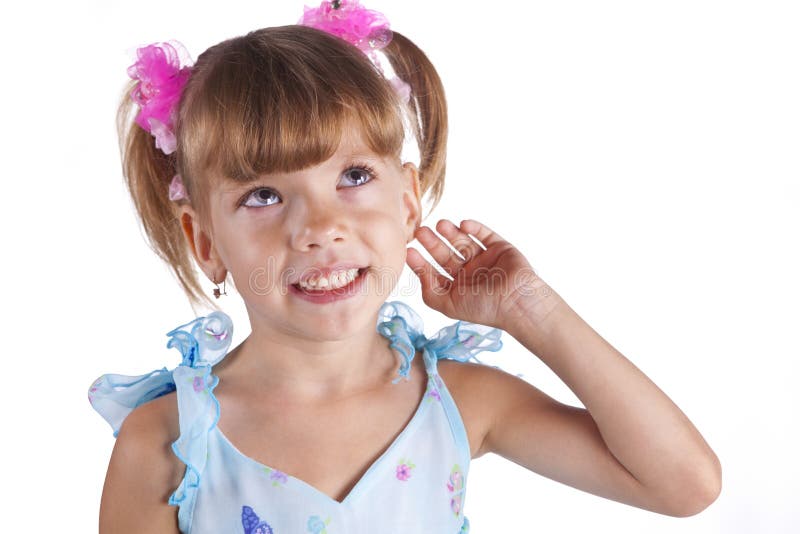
(439, 251)
(461, 241)
(483, 233)
(432, 282)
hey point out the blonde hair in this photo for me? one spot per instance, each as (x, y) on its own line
(276, 100)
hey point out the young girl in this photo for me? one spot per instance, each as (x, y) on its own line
(275, 161)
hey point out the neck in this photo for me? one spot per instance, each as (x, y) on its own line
(310, 369)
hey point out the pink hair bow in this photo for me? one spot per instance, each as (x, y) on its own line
(162, 70)
(364, 28)
(176, 189)
(349, 20)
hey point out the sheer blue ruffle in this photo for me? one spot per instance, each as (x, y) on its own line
(115, 396)
(202, 343)
(460, 341)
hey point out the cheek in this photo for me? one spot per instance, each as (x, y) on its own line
(385, 232)
(380, 215)
(250, 257)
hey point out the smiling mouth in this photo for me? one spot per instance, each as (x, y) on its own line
(335, 291)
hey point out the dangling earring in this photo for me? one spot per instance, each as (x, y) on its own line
(216, 289)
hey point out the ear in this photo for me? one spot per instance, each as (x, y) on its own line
(202, 244)
(411, 199)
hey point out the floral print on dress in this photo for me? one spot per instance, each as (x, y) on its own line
(278, 478)
(433, 389)
(470, 342)
(199, 382)
(94, 388)
(456, 486)
(252, 524)
(403, 471)
(316, 525)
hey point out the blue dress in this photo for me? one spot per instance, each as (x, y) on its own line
(417, 485)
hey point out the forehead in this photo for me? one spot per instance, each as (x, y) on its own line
(353, 144)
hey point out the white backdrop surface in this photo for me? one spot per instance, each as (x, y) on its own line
(643, 155)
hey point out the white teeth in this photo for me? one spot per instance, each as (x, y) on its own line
(336, 280)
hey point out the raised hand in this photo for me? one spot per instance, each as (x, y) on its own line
(491, 283)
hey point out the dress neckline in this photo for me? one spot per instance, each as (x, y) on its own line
(365, 479)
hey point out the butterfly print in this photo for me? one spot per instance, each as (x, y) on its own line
(252, 524)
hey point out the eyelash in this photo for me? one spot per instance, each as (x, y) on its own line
(361, 166)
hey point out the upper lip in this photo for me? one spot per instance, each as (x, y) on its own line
(316, 271)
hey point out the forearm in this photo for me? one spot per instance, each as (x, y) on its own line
(640, 425)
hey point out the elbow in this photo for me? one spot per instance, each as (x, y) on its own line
(699, 494)
(699, 501)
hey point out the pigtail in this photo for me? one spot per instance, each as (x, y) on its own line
(428, 108)
(148, 173)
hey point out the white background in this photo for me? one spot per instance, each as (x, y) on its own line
(643, 155)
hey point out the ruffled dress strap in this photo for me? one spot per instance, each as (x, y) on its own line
(202, 343)
(461, 341)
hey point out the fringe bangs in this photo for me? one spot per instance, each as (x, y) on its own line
(267, 105)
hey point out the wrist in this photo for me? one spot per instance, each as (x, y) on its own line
(533, 309)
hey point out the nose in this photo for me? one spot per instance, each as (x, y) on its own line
(318, 226)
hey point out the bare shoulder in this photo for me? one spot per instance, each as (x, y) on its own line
(484, 393)
(143, 471)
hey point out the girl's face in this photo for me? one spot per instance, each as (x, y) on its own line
(355, 210)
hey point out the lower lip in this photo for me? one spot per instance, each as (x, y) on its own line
(331, 295)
